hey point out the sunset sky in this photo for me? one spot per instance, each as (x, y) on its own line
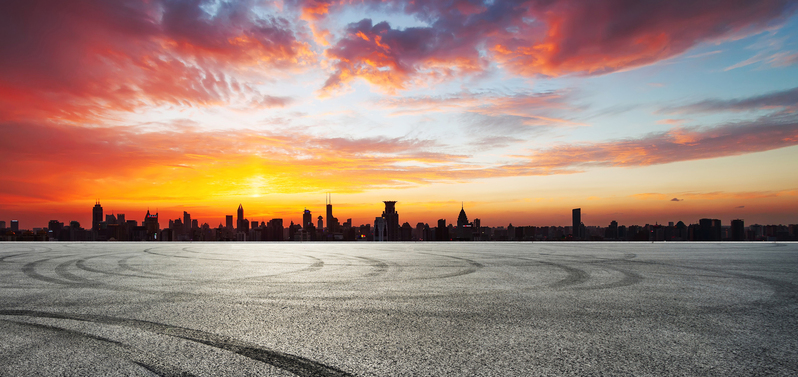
(635, 111)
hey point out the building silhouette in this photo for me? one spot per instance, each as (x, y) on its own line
(465, 229)
(332, 222)
(391, 221)
(709, 230)
(576, 223)
(151, 226)
(737, 230)
(307, 219)
(96, 216)
(442, 232)
(380, 229)
(240, 219)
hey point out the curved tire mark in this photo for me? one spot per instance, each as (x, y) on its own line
(134, 355)
(295, 364)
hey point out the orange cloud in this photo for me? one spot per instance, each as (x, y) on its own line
(680, 144)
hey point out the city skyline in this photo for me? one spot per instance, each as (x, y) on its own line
(524, 110)
(574, 216)
(386, 227)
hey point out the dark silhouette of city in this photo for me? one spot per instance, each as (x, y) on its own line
(386, 227)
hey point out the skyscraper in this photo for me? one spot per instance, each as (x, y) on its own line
(228, 222)
(330, 226)
(186, 222)
(379, 229)
(151, 226)
(15, 225)
(576, 217)
(391, 221)
(738, 230)
(240, 219)
(307, 219)
(442, 232)
(96, 216)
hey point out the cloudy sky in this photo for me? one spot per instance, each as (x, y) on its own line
(635, 111)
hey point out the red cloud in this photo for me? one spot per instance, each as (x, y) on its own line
(76, 59)
(391, 58)
(533, 37)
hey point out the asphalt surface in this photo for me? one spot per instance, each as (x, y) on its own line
(388, 309)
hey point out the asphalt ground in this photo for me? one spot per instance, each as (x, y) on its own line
(388, 309)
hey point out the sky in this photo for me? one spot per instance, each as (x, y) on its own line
(635, 111)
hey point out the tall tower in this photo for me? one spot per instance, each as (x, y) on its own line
(186, 221)
(307, 219)
(391, 221)
(462, 219)
(151, 225)
(96, 216)
(328, 201)
(576, 220)
(240, 219)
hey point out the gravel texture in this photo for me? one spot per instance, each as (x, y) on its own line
(390, 309)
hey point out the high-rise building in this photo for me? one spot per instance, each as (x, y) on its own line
(2, 224)
(320, 223)
(275, 230)
(462, 219)
(186, 222)
(151, 226)
(240, 219)
(15, 225)
(391, 221)
(442, 232)
(737, 230)
(709, 230)
(96, 216)
(464, 230)
(228, 222)
(380, 230)
(307, 219)
(576, 217)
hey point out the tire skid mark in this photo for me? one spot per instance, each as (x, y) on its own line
(315, 266)
(125, 266)
(295, 364)
(132, 354)
(62, 271)
(786, 293)
(472, 267)
(629, 278)
(379, 267)
(161, 371)
(575, 275)
(149, 251)
(26, 251)
(3, 259)
(81, 264)
(29, 269)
